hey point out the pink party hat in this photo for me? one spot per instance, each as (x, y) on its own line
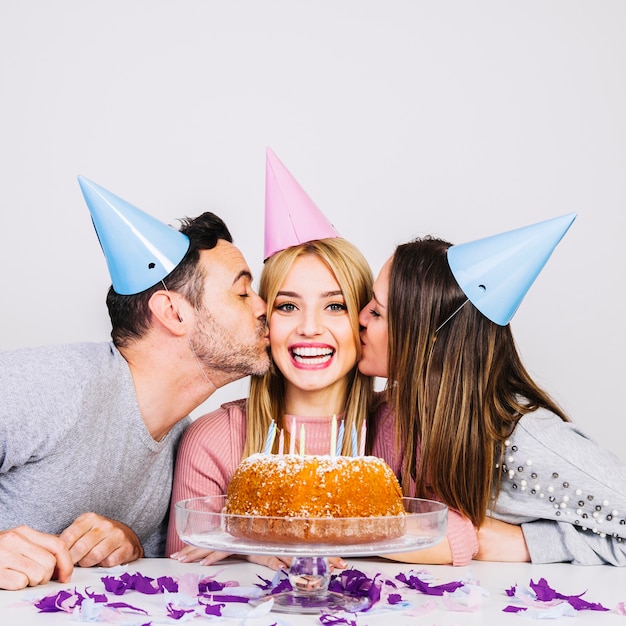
(496, 272)
(291, 217)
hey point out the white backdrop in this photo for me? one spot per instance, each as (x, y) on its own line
(399, 118)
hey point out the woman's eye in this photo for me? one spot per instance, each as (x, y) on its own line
(286, 307)
(337, 306)
(374, 313)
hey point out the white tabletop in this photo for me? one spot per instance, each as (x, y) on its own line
(605, 585)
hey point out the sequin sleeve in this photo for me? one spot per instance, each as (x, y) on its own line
(567, 492)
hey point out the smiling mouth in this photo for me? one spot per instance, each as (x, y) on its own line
(312, 356)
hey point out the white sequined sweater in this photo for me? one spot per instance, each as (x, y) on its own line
(567, 492)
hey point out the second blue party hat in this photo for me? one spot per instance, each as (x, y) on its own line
(496, 272)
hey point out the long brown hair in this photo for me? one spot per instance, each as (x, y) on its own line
(458, 388)
(266, 401)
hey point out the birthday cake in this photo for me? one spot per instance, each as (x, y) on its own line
(316, 499)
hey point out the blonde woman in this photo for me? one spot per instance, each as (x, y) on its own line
(314, 292)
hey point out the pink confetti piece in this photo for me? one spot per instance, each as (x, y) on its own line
(425, 609)
(189, 584)
(464, 602)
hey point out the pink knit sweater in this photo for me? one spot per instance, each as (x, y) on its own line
(212, 447)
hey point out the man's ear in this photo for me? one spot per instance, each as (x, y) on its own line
(164, 306)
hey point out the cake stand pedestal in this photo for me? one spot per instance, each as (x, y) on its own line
(201, 523)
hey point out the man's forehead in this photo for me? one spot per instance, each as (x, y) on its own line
(227, 261)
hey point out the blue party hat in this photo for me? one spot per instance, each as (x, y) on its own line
(140, 250)
(496, 272)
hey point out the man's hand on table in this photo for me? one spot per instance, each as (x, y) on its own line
(29, 558)
(96, 540)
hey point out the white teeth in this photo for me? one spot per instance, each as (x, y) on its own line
(311, 355)
(310, 351)
(312, 360)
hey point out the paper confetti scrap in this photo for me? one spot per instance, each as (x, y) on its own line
(540, 600)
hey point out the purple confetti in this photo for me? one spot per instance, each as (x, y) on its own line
(208, 584)
(549, 596)
(394, 598)
(545, 593)
(354, 583)
(214, 609)
(417, 584)
(124, 605)
(63, 601)
(514, 609)
(139, 582)
(176, 613)
(266, 585)
(96, 597)
(283, 586)
(225, 598)
(114, 585)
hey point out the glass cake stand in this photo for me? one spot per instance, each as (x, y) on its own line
(201, 523)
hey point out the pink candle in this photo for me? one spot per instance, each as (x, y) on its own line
(281, 441)
(292, 437)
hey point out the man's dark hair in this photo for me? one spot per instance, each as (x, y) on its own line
(130, 315)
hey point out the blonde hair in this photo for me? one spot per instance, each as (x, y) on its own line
(352, 272)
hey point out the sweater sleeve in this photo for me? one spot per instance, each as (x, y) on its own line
(561, 542)
(567, 493)
(209, 453)
(462, 537)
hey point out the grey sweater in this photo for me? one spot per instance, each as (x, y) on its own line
(567, 492)
(72, 440)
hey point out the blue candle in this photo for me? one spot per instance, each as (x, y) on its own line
(269, 440)
(355, 448)
(340, 439)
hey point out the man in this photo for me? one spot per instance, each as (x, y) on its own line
(88, 432)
